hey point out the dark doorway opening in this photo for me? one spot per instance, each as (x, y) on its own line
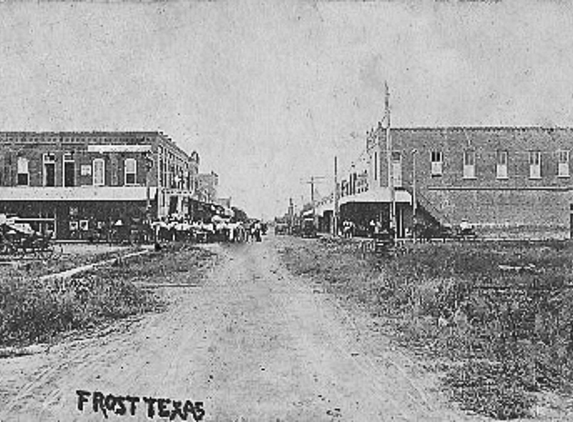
(69, 174)
(50, 174)
(173, 201)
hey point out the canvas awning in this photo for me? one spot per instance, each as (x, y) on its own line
(381, 195)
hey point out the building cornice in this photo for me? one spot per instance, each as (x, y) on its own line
(501, 188)
(483, 128)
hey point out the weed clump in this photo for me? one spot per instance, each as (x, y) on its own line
(35, 311)
(499, 314)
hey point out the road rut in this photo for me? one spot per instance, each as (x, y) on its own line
(253, 343)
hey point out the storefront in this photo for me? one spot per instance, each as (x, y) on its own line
(81, 213)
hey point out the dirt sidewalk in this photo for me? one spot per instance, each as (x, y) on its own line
(252, 343)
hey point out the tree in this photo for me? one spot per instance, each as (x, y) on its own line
(239, 216)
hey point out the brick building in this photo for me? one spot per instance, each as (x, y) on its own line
(506, 181)
(70, 182)
(207, 184)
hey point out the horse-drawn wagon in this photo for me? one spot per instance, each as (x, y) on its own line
(19, 239)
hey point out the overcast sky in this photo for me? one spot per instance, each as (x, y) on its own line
(269, 91)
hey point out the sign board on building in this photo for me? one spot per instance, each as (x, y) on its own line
(119, 148)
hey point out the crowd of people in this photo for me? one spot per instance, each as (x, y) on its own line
(374, 230)
(216, 228)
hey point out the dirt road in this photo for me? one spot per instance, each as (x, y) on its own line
(252, 343)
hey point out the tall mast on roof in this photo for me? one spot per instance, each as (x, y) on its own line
(389, 149)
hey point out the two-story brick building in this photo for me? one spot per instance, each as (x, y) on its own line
(508, 181)
(73, 181)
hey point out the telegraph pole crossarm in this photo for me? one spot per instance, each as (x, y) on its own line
(312, 181)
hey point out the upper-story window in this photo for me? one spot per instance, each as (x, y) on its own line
(397, 169)
(501, 166)
(99, 172)
(469, 164)
(563, 169)
(69, 170)
(171, 176)
(49, 161)
(23, 178)
(534, 164)
(130, 171)
(437, 163)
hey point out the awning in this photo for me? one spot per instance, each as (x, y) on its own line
(381, 195)
(81, 193)
(322, 208)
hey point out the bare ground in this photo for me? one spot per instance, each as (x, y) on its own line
(252, 342)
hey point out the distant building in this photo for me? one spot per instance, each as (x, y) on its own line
(224, 202)
(207, 184)
(506, 181)
(74, 180)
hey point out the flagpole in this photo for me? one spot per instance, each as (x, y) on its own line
(335, 213)
(389, 149)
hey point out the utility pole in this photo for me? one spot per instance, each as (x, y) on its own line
(389, 149)
(290, 215)
(414, 199)
(335, 210)
(313, 180)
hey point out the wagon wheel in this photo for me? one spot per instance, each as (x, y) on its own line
(48, 250)
(8, 248)
(44, 252)
(18, 250)
(370, 246)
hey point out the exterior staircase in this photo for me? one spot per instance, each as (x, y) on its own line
(429, 210)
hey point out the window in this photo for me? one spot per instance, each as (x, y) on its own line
(375, 165)
(437, 163)
(99, 172)
(535, 165)
(397, 169)
(501, 167)
(69, 170)
(23, 178)
(469, 164)
(130, 171)
(172, 177)
(86, 170)
(49, 169)
(563, 169)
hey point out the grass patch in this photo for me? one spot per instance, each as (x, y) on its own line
(32, 268)
(33, 311)
(499, 314)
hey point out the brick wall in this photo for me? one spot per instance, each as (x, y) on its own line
(517, 203)
(32, 146)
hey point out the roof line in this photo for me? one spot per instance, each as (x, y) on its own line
(481, 128)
